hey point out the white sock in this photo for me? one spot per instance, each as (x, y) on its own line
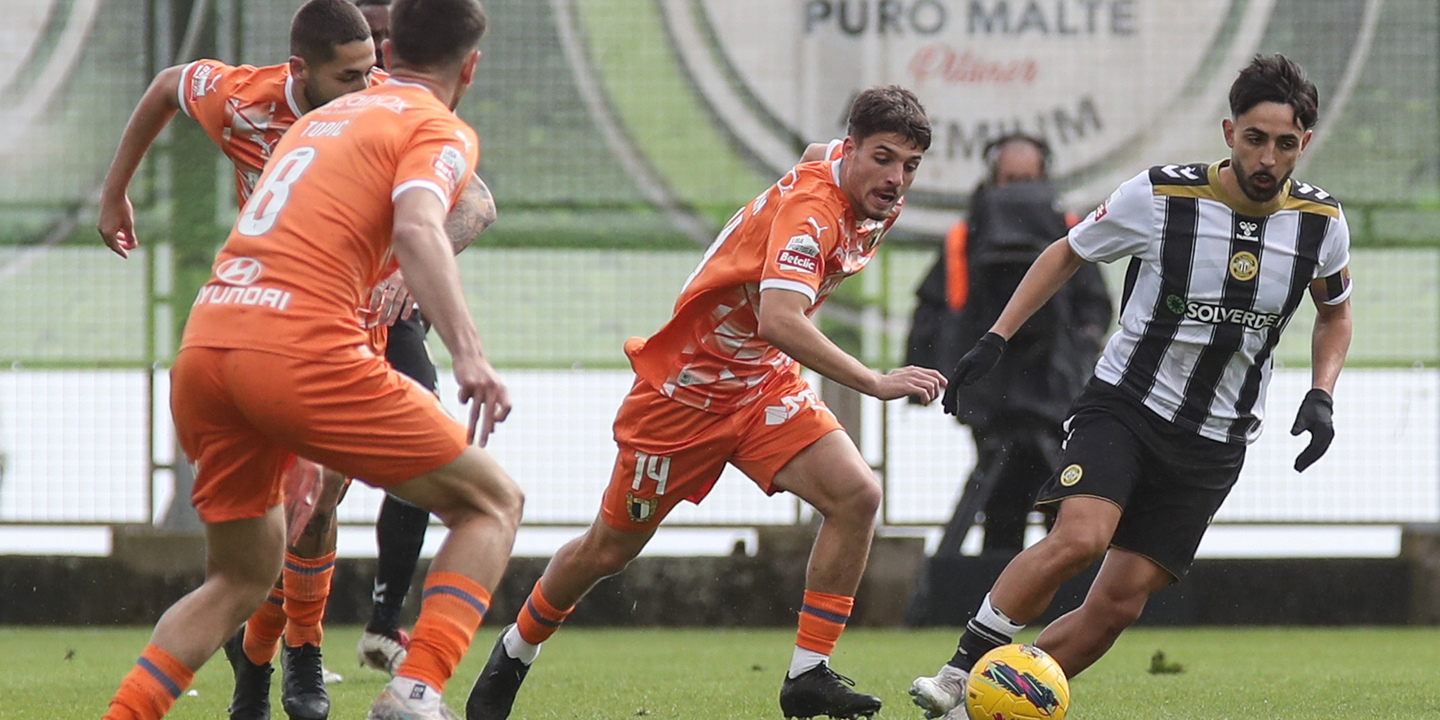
(417, 692)
(996, 620)
(516, 647)
(803, 660)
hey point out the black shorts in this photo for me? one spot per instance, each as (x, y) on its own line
(1167, 481)
(406, 352)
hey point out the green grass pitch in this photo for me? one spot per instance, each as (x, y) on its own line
(1289, 674)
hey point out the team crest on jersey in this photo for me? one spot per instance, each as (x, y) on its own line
(1071, 475)
(1244, 266)
(640, 509)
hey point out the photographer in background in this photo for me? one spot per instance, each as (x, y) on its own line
(1015, 416)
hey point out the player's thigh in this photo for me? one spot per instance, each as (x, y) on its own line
(407, 353)
(238, 467)
(1171, 510)
(472, 481)
(666, 452)
(355, 415)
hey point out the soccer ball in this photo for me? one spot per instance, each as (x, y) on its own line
(1017, 682)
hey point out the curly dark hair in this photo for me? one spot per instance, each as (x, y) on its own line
(1276, 79)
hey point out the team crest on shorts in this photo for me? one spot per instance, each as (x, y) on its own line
(1071, 475)
(641, 510)
(1244, 266)
(1175, 303)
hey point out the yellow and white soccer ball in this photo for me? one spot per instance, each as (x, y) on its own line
(1017, 682)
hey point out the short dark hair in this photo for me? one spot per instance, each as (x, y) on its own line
(1276, 79)
(430, 33)
(890, 108)
(319, 26)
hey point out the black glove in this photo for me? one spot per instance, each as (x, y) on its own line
(1314, 415)
(976, 363)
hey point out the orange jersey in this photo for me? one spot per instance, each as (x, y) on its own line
(800, 235)
(244, 109)
(315, 235)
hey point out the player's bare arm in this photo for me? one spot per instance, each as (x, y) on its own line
(472, 214)
(1049, 271)
(783, 324)
(425, 256)
(390, 299)
(1330, 338)
(155, 110)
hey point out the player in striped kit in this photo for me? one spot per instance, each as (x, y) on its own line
(1220, 258)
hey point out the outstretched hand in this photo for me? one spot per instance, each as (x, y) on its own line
(976, 364)
(1315, 416)
(920, 384)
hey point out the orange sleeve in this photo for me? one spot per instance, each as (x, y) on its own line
(804, 232)
(204, 87)
(440, 156)
(957, 266)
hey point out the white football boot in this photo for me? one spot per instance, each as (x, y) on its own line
(941, 694)
(406, 699)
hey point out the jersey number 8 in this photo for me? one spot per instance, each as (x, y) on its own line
(263, 208)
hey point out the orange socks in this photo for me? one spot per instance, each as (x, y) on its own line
(307, 587)
(451, 609)
(264, 628)
(539, 619)
(822, 619)
(150, 688)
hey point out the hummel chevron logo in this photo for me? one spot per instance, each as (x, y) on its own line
(1305, 188)
(1177, 172)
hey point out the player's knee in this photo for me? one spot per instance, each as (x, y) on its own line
(1114, 614)
(509, 503)
(865, 501)
(854, 502)
(1078, 547)
(608, 558)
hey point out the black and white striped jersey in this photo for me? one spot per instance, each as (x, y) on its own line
(1213, 280)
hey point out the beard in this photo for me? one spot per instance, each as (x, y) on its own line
(1246, 180)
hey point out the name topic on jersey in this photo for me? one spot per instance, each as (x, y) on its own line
(1215, 314)
(253, 295)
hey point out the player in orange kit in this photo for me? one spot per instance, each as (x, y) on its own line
(275, 363)
(245, 110)
(720, 383)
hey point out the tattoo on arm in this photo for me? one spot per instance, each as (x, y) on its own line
(473, 212)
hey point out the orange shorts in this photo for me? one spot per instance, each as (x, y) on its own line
(241, 414)
(671, 452)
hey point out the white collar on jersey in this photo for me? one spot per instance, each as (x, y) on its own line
(393, 81)
(290, 93)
